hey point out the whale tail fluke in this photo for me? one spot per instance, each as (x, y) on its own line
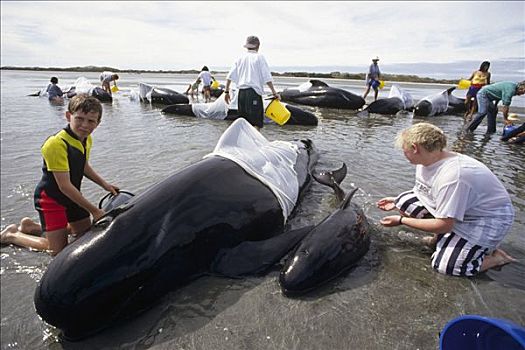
(333, 179)
(255, 257)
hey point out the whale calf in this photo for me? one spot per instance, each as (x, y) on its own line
(318, 93)
(330, 249)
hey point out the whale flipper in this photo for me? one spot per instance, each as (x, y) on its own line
(254, 257)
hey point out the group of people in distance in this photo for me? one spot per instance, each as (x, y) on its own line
(56, 95)
(455, 197)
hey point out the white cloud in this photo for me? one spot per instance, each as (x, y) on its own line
(181, 35)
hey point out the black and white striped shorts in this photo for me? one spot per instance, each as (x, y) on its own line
(454, 255)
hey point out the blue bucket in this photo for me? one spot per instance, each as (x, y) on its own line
(472, 332)
(507, 129)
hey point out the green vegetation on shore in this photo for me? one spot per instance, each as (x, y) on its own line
(335, 75)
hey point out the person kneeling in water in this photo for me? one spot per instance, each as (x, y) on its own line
(62, 208)
(455, 197)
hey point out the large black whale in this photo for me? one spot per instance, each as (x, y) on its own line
(173, 233)
(318, 93)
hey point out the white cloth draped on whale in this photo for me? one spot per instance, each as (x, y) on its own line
(83, 86)
(270, 162)
(405, 97)
(218, 109)
(145, 91)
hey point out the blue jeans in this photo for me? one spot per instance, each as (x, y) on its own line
(485, 108)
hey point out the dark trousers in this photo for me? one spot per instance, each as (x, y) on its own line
(250, 106)
(491, 111)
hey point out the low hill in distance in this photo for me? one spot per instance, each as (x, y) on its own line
(336, 75)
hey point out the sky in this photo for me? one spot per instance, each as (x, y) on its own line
(180, 35)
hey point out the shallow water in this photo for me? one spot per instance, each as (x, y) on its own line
(391, 300)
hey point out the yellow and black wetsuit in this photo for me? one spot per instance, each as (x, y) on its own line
(62, 152)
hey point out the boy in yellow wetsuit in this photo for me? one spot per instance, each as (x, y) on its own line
(62, 208)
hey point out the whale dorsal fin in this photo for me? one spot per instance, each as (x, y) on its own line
(347, 200)
(316, 82)
(449, 90)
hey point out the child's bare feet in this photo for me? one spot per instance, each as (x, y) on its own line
(30, 227)
(7, 233)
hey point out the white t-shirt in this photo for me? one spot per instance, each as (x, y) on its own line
(106, 77)
(205, 77)
(463, 188)
(251, 71)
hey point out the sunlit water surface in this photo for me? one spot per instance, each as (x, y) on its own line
(391, 300)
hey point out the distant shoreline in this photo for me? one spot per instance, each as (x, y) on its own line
(334, 75)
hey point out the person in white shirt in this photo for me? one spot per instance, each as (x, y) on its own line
(106, 78)
(250, 72)
(455, 197)
(206, 78)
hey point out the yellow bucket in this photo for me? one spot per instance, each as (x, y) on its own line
(381, 84)
(114, 88)
(215, 85)
(464, 84)
(277, 112)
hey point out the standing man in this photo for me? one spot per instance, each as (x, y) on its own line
(106, 78)
(206, 78)
(250, 73)
(455, 197)
(488, 98)
(372, 78)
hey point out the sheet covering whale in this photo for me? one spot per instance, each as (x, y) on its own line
(245, 190)
(158, 95)
(221, 111)
(318, 93)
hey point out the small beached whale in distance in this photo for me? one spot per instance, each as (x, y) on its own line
(398, 100)
(158, 95)
(319, 94)
(443, 102)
